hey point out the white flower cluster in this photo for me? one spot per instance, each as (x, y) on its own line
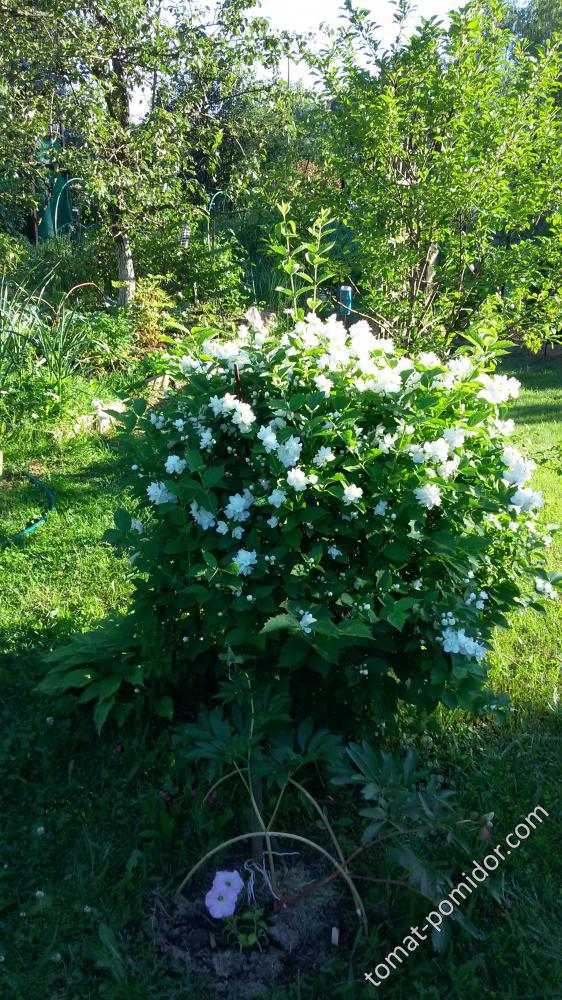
(479, 600)
(289, 452)
(158, 493)
(352, 494)
(323, 456)
(456, 371)
(202, 517)
(498, 388)
(429, 495)
(238, 506)
(230, 351)
(157, 420)
(245, 561)
(297, 479)
(527, 500)
(306, 621)
(503, 428)
(440, 452)
(456, 641)
(518, 469)
(545, 588)
(174, 464)
(241, 414)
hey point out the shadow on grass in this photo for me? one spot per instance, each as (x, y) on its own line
(21, 500)
(93, 828)
(537, 371)
(533, 413)
(24, 644)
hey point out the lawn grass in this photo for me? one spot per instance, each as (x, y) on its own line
(84, 821)
(528, 657)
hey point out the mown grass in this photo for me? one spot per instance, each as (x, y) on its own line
(528, 657)
(83, 820)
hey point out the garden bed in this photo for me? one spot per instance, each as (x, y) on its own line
(298, 937)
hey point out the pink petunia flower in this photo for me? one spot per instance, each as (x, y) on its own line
(220, 902)
(228, 882)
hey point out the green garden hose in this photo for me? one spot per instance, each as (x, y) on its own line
(40, 521)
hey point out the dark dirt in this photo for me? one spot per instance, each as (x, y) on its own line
(299, 937)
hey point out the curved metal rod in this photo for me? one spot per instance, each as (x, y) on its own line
(66, 183)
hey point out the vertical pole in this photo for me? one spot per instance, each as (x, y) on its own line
(345, 304)
(34, 217)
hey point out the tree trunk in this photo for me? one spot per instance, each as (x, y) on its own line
(125, 269)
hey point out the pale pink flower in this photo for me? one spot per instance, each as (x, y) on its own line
(220, 902)
(228, 882)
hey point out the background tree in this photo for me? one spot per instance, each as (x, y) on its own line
(79, 64)
(442, 154)
(537, 21)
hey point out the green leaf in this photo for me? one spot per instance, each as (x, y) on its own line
(164, 707)
(396, 614)
(304, 732)
(194, 460)
(325, 627)
(213, 476)
(397, 552)
(293, 652)
(209, 559)
(114, 959)
(60, 681)
(277, 623)
(139, 406)
(122, 519)
(122, 711)
(101, 711)
(441, 938)
(357, 630)
(108, 686)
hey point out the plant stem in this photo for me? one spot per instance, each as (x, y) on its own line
(282, 836)
(324, 819)
(255, 789)
(354, 854)
(232, 774)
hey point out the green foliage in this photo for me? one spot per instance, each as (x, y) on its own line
(442, 154)
(356, 531)
(108, 335)
(61, 346)
(138, 173)
(402, 794)
(254, 746)
(305, 262)
(20, 321)
(15, 252)
(62, 263)
(405, 805)
(207, 272)
(247, 930)
(41, 349)
(537, 21)
(255, 727)
(105, 850)
(151, 309)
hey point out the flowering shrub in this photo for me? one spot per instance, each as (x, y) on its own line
(337, 518)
